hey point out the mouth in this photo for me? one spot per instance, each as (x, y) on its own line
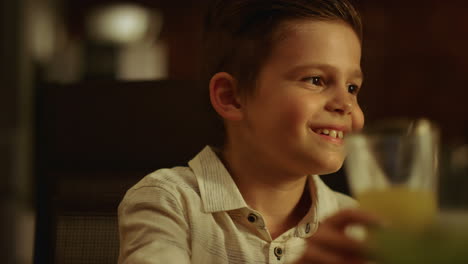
(339, 134)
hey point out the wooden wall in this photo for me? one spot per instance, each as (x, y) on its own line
(416, 62)
(415, 58)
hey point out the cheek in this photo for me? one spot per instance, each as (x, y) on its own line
(358, 119)
(287, 119)
(296, 113)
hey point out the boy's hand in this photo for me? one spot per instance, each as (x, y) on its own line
(330, 244)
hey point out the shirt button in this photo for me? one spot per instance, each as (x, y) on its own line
(252, 218)
(307, 228)
(278, 252)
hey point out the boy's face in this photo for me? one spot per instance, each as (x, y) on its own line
(307, 86)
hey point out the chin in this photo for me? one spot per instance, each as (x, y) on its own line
(332, 169)
(328, 166)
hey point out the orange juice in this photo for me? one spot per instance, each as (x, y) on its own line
(401, 206)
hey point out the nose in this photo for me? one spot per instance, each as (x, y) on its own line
(341, 103)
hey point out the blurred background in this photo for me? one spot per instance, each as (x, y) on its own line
(97, 93)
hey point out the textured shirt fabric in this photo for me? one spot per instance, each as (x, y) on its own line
(196, 214)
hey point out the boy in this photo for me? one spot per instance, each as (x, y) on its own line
(284, 76)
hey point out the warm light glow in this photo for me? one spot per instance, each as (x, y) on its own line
(459, 157)
(41, 31)
(142, 61)
(120, 24)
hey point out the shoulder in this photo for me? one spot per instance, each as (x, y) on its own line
(153, 217)
(181, 177)
(173, 185)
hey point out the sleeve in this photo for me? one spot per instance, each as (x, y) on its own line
(153, 228)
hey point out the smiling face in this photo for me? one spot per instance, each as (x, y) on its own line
(305, 100)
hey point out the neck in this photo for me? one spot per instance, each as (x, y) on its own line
(283, 200)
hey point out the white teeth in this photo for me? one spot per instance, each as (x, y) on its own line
(331, 133)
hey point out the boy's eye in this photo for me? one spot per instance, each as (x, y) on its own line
(315, 80)
(353, 89)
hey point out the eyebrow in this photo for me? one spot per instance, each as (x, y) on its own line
(357, 73)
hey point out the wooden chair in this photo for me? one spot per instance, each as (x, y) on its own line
(94, 141)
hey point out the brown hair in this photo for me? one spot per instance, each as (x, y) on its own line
(240, 34)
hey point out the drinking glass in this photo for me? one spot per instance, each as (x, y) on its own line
(392, 171)
(451, 227)
(398, 171)
(453, 183)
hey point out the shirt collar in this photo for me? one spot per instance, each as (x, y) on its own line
(326, 201)
(218, 190)
(324, 204)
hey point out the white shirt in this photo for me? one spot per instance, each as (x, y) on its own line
(196, 214)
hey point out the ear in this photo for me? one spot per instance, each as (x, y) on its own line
(224, 96)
